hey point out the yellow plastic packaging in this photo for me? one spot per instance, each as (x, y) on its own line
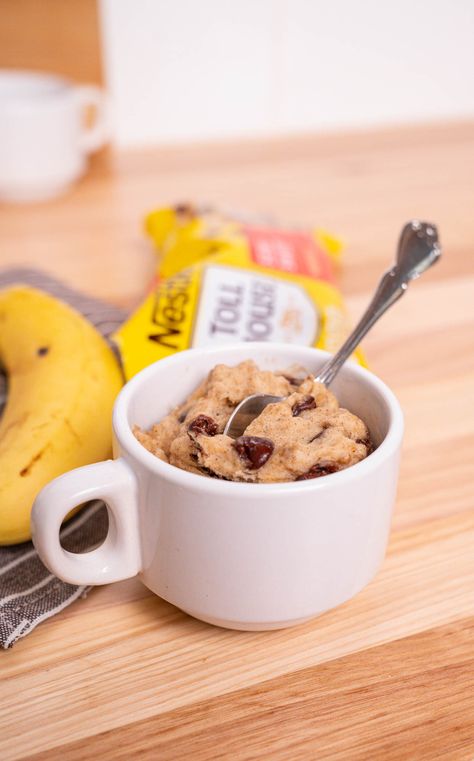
(220, 280)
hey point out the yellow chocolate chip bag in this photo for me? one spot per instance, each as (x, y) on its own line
(223, 280)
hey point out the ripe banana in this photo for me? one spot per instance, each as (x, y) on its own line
(62, 382)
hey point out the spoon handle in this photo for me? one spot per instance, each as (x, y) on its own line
(418, 249)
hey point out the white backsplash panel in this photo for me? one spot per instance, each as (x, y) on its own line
(189, 70)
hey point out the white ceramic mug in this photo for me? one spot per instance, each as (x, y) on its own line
(44, 142)
(243, 556)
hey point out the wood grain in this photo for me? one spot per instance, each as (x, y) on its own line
(376, 704)
(52, 35)
(123, 674)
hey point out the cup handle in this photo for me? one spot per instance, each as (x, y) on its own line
(94, 136)
(119, 555)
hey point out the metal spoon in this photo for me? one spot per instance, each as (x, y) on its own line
(418, 249)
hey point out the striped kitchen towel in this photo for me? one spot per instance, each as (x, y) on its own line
(29, 593)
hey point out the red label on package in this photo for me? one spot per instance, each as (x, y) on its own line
(295, 252)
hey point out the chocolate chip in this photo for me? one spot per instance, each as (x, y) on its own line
(42, 351)
(294, 381)
(203, 424)
(212, 474)
(320, 469)
(306, 403)
(254, 451)
(367, 442)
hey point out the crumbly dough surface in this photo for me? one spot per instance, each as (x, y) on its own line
(307, 435)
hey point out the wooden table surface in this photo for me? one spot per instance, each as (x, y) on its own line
(388, 675)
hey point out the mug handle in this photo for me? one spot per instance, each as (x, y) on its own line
(94, 136)
(119, 556)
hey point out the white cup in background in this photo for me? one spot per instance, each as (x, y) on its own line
(44, 140)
